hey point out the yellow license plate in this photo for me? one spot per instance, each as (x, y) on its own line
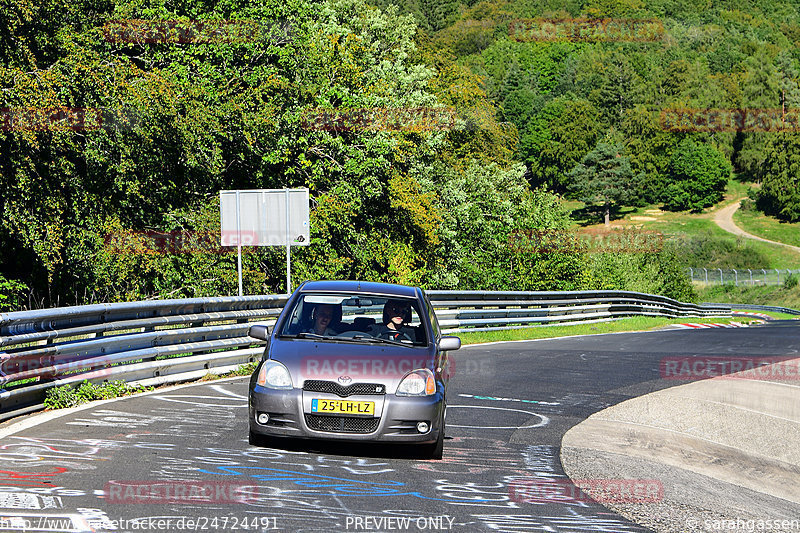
(342, 407)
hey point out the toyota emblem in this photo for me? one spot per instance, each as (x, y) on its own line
(344, 380)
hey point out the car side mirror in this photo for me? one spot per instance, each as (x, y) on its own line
(259, 332)
(447, 344)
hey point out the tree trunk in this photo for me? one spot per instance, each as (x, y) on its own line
(608, 215)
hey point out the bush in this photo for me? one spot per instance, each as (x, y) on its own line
(706, 250)
(653, 273)
(790, 282)
(747, 204)
(11, 294)
(69, 396)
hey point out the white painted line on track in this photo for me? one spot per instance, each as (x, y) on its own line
(542, 422)
(34, 420)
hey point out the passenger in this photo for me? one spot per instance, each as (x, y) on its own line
(321, 315)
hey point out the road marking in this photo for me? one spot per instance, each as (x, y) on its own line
(542, 422)
(539, 402)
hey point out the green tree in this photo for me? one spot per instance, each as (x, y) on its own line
(698, 176)
(649, 148)
(557, 138)
(620, 90)
(762, 89)
(604, 177)
(780, 189)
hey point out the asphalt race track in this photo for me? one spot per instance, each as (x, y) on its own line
(509, 405)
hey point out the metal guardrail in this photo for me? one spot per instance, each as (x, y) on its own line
(174, 340)
(787, 310)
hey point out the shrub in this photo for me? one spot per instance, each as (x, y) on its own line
(11, 293)
(70, 396)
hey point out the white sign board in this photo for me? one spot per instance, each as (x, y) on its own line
(262, 217)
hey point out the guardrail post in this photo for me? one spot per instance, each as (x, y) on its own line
(779, 275)
(706, 271)
(735, 277)
(765, 276)
(720, 277)
(691, 274)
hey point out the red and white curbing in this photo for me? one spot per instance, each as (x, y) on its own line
(692, 325)
(749, 313)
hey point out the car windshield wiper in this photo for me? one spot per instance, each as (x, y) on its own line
(355, 338)
(307, 335)
(379, 340)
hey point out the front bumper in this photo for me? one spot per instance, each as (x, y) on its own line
(396, 416)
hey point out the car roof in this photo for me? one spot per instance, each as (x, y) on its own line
(389, 289)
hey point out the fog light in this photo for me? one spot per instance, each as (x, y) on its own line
(422, 427)
(263, 418)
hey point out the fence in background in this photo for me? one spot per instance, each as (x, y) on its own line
(741, 276)
(166, 341)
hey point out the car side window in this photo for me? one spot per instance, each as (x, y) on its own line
(437, 332)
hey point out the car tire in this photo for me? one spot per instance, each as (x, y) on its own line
(256, 439)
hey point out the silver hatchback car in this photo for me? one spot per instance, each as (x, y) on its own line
(351, 360)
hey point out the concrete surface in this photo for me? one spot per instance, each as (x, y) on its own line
(723, 449)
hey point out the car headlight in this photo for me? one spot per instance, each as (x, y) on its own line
(274, 375)
(417, 383)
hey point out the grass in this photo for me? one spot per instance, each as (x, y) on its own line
(243, 370)
(773, 314)
(675, 225)
(768, 227)
(775, 295)
(638, 323)
(76, 394)
(72, 395)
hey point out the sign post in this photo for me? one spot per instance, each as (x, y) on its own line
(265, 217)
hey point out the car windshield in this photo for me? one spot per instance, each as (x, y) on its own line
(356, 317)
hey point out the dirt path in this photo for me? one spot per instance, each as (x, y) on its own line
(724, 219)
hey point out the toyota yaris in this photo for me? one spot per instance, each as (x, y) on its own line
(350, 360)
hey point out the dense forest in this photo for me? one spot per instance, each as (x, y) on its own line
(120, 120)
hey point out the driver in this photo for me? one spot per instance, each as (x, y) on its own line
(396, 316)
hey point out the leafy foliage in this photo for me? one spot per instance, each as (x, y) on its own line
(70, 396)
(11, 294)
(434, 207)
(699, 174)
(780, 191)
(604, 177)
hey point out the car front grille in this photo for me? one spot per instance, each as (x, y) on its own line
(331, 387)
(342, 424)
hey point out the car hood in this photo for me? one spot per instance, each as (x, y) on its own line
(347, 362)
